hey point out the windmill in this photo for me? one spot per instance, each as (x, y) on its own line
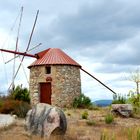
(17, 53)
(54, 76)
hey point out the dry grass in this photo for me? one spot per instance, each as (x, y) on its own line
(78, 129)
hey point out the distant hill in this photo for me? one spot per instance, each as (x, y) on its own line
(102, 103)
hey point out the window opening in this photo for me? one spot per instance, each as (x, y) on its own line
(48, 70)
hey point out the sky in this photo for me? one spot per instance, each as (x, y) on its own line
(103, 36)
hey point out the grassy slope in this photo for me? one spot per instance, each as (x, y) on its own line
(121, 129)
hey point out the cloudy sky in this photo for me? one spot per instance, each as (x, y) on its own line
(103, 36)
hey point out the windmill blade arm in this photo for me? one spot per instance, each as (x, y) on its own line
(12, 59)
(19, 53)
(27, 46)
(98, 81)
(24, 52)
(30, 38)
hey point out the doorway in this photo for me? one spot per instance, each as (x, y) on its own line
(45, 93)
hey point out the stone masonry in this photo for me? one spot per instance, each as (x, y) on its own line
(66, 84)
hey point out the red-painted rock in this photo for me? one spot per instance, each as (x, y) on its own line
(44, 119)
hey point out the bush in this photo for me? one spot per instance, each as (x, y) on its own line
(8, 106)
(109, 118)
(82, 102)
(21, 94)
(93, 107)
(85, 115)
(91, 122)
(118, 99)
(22, 109)
(1, 103)
(134, 99)
(16, 107)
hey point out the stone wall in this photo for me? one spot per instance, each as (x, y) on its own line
(66, 84)
(36, 76)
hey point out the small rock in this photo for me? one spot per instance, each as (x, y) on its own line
(44, 120)
(124, 110)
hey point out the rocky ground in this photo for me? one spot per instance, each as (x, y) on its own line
(79, 129)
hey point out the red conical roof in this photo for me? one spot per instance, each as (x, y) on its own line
(53, 56)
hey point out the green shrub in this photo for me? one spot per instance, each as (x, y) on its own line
(69, 114)
(138, 134)
(82, 102)
(118, 99)
(104, 136)
(109, 118)
(91, 122)
(21, 94)
(134, 99)
(22, 109)
(85, 115)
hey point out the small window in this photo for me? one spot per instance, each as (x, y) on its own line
(48, 70)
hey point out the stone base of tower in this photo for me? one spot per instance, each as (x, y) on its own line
(65, 84)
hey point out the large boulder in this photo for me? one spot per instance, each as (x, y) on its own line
(124, 110)
(44, 119)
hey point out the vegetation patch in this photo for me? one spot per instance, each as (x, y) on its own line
(109, 118)
(85, 115)
(21, 94)
(119, 99)
(91, 123)
(16, 107)
(17, 102)
(82, 102)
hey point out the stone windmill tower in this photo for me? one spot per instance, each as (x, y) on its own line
(54, 78)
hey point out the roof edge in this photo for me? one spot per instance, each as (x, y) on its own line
(54, 64)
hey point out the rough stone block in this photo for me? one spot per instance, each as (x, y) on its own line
(124, 110)
(44, 120)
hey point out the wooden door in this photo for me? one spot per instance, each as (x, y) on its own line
(45, 93)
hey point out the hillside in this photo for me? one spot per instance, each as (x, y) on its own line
(102, 103)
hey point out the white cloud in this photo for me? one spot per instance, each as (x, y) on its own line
(102, 36)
